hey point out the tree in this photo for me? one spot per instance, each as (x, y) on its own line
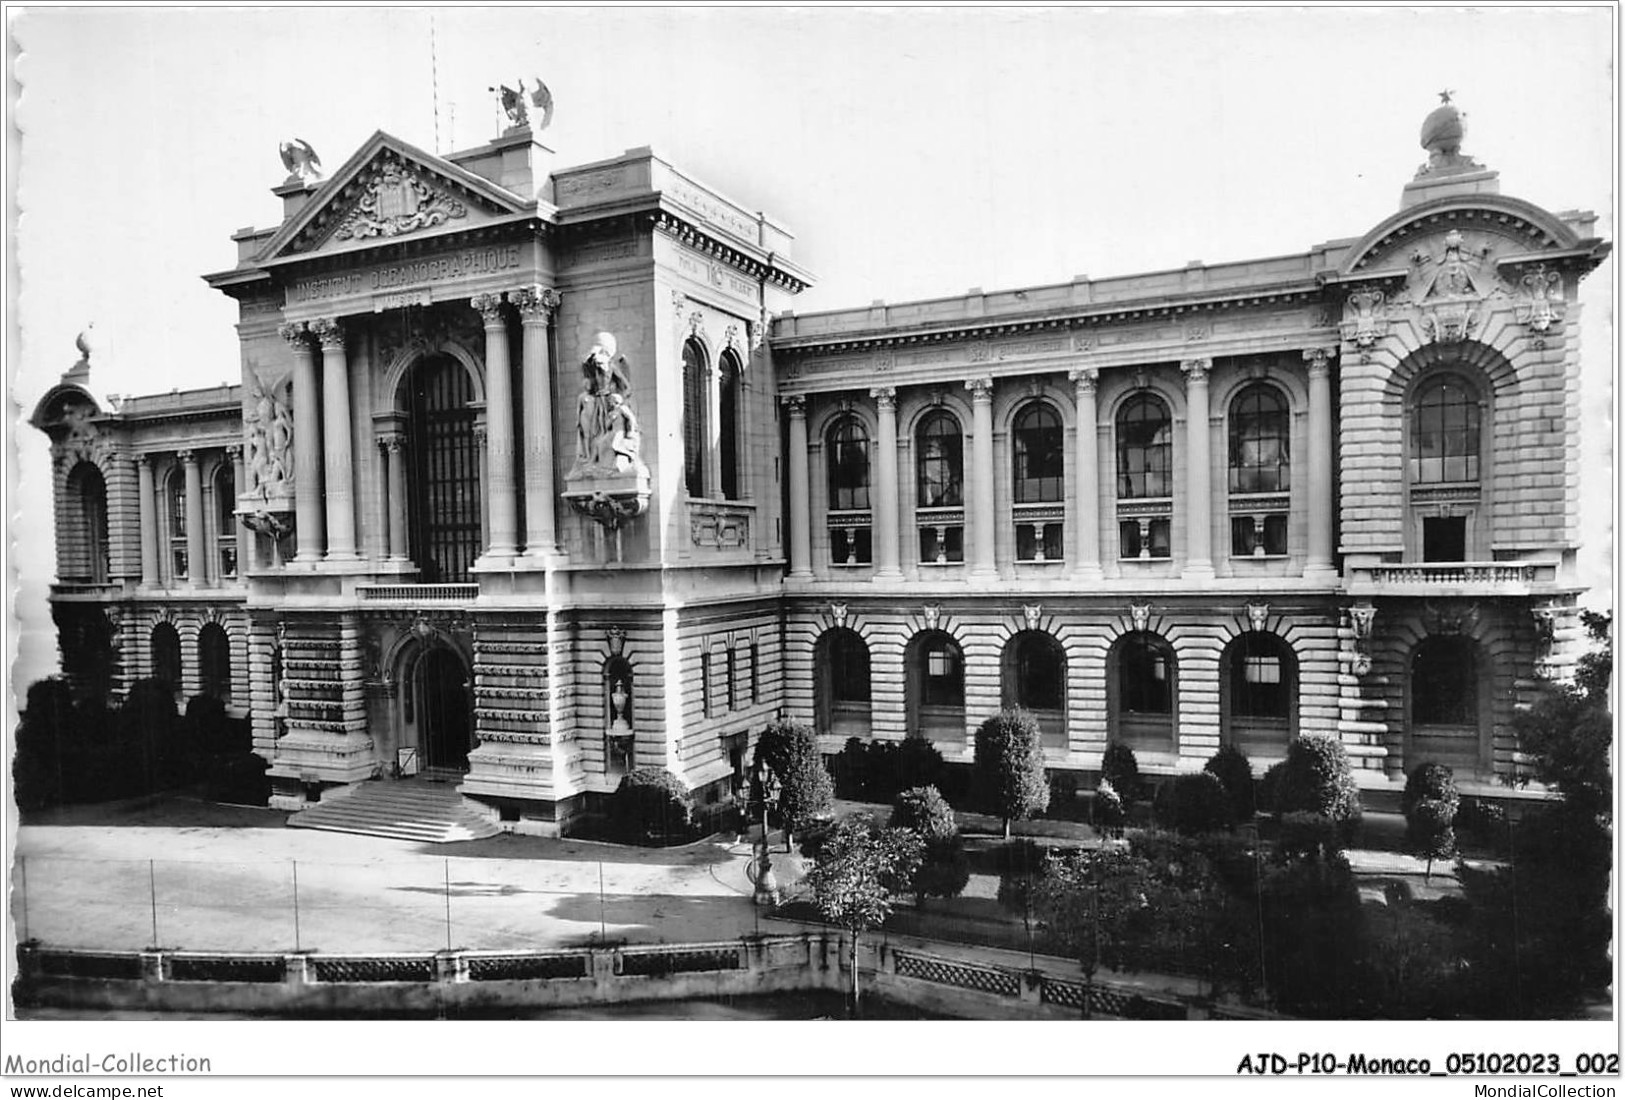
(1010, 766)
(860, 873)
(1316, 793)
(1430, 803)
(1120, 768)
(1595, 670)
(1192, 804)
(1235, 771)
(1569, 735)
(806, 793)
(945, 870)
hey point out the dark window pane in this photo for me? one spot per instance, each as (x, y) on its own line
(848, 464)
(1445, 431)
(1444, 683)
(940, 462)
(695, 407)
(1261, 677)
(942, 676)
(728, 434)
(1260, 441)
(1144, 448)
(1039, 455)
(1145, 674)
(849, 668)
(1444, 538)
(1039, 673)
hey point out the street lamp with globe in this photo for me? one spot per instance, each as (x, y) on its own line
(767, 786)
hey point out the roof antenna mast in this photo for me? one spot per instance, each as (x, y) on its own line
(434, 83)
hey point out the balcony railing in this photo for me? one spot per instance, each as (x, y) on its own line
(1502, 577)
(417, 593)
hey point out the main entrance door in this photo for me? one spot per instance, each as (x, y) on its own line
(443, 712)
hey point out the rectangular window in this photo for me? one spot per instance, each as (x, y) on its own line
(755, 673)
(1250, 538)
(849, 546)
(1038, 542)
(733, 680)
(1444, 538)
(1154, 541)
(942, 545)
(705, 683)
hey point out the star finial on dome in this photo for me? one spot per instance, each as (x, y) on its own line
(1444, 96)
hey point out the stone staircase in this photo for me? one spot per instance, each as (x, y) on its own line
(404, 809)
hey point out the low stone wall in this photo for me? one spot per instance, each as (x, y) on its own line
(480, 983)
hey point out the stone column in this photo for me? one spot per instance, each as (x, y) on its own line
(1198, 471)
(1318, 566)
(979, 509)
(239, 485)
(1087, 566)
(310, 537)
(884, 508)
(197, 547)
(800, 491)
(537, 305)
(149, 519)
(394, 446)
(339, 480)
(504, 505)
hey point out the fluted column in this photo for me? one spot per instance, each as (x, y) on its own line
(1087, 565)
(339, 481)
(310, 537)
(503, 525)
(1321, 515)
(197, 547)
(980, 508)
(149, 519)
(239, 485)
(885, 509)
(536, 305)
(393, 446)
(800, 491)
(1198, 471)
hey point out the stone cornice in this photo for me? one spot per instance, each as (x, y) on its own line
(767, 266)
(1082, 317)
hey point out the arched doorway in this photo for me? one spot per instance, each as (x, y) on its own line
(443, 716)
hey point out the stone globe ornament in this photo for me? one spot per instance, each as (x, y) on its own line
(1444, 127)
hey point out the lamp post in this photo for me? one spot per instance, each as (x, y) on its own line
(767, 886)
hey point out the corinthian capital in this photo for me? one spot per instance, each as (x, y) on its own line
(981, 389)
(329, 332)
(294, 333)
(885, 398)
(489, 307)
(1319, 359)
(1196, 369)
(797, 404)
(535, 302)
(1085, 380)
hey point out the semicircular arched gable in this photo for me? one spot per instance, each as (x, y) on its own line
(1525, 227)
(415, 351)
(1469, 354)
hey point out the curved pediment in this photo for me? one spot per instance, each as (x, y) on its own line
(66, 406)
(1499, 225)
(386, 191)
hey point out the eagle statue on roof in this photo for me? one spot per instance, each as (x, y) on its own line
(514, 104)
(301, 160)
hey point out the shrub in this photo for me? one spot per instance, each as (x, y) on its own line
(1316, 779)
(945, 871)
(1106, 812)
(1235, 771)
(1483, 823)
(1430, 802)
(918, 764)
(806, 792)
(924, 810)
(1010, 766)
(1266, 794)
(651, 805)
(1192, 804)
(1120, 768)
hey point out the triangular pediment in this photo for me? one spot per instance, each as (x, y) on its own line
(387, 191)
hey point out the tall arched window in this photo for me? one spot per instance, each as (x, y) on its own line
(936, 686)
(443, 507)
(175, 510)
(1034, 677)
(841, 660)
(1038, 465)
(1445, 724)
(847, 462)
(1445, 451)
(214, 662)
(1259, 678)
(1145, 482)
(83, 556)
(1260, 471)
(730, 394)
(1143, 675)
(696, 417)
(939, 467)
(166, 655)
(225, 520)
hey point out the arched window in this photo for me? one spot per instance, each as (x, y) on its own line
(730, 395)
(175, 509)
(83, 557)
(1144, 477)
(936, 685)
(1038, 455)
(1444, 431)
(696, 410)
(443, 507)
(1144, 676)
(214, 662)
(1260, 471)
(1260, 691)
(166, 655)
(939, 467)
(841, 659)
(619, 737)
(1034, 677)
(225, 520)
(847, 462)
(1445, 722)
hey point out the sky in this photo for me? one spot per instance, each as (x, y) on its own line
(914, 152)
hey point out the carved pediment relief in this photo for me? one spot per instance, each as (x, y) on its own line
(387, 190)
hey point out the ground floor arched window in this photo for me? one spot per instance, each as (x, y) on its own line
(936, 686)
(1033, 676)
(166, 656)
(214, 662)
(1259, 694)
(841, 661)
(1142, 674)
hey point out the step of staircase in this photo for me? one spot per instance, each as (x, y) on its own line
(432, 813)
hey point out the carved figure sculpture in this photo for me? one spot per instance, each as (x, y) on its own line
(607, 438)
(301, 160)
(270, 437)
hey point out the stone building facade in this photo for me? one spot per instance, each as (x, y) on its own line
(534, 477)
